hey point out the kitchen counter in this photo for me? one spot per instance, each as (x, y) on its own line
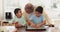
(12, 28)
(9, 29)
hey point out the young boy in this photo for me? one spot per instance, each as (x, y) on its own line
(18, 20)
(37, 20)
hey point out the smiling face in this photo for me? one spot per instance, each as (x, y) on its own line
(19, 14)
(37, 14)
(38, 11)
(29, 8)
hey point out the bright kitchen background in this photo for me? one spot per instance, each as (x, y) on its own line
(51, 7)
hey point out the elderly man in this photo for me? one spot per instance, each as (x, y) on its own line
(29, 10)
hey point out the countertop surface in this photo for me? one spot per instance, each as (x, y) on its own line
(12, 28)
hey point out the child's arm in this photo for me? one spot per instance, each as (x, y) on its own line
(31, 23)
(17, 24)
(41, 24)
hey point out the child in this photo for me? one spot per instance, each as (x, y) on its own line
(18, 20)
(37, 20)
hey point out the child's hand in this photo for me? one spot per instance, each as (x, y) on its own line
(15, 22)
(27, 23)
(38, 26)
(18, 25)
(33, 25)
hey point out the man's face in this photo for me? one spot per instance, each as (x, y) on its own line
(37, 14)
(29, 8)
(19, 14)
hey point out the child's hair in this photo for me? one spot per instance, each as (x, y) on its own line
(39, 9)
(16, 10)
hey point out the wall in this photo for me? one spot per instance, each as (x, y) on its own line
(1, 10)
